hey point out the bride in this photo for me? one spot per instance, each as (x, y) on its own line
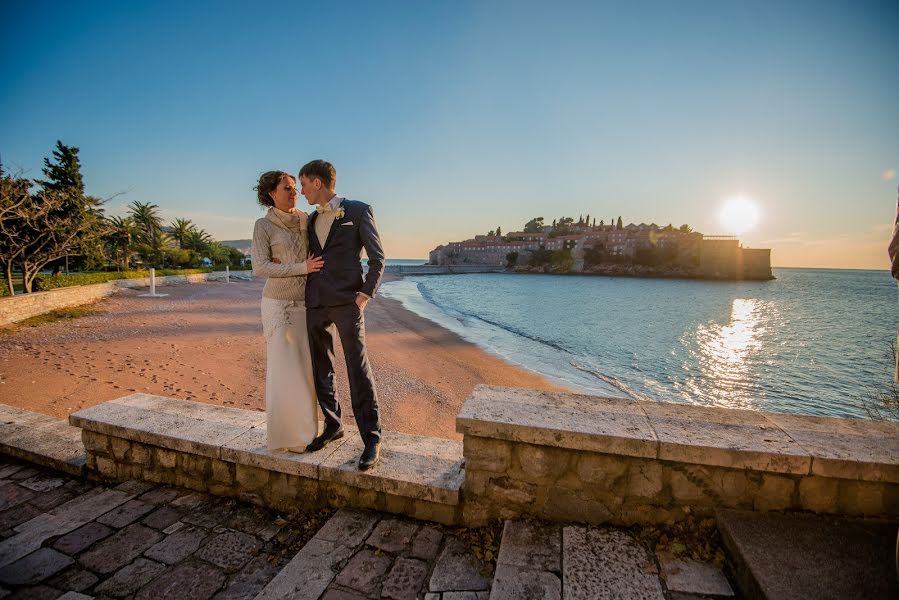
(280, 249)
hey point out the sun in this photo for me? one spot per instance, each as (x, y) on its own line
(739, 215)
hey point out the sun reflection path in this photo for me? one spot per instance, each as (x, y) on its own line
(724, 353)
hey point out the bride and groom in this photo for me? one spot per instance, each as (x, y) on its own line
(315, 289)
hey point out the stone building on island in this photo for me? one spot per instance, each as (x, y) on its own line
(606, 249)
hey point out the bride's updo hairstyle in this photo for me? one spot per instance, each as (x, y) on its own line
(267, 184)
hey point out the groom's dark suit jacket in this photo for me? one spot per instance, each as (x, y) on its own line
(341, 277)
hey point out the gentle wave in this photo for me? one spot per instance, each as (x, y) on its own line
(810, 342)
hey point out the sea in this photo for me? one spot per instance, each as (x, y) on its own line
(812, 341)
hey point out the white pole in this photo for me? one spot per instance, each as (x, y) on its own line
(152, 281)
(227, 274)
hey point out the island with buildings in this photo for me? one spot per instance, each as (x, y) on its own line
(583, 246)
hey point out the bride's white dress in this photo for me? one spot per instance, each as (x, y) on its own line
(290, 403)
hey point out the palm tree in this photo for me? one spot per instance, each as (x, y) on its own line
(197, 240)
(179, 229)
(147, 218)
(119, 238)
(149, 223)
(217, 253)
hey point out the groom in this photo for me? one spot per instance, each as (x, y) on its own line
(335, 299)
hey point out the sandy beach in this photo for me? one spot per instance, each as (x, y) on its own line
(204, 342)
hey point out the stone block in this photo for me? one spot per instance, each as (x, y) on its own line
(426, 544)
(348, 527)
(457, 570)
(513, 582)
(251, 448)
(819, 494)
(223, 472)
(184, 426)
(96, 443)
(250, 479)
(411, 466)
(601, 469)
(541, 464)
(364, 571)
(131, 578)
(533, 546)
(571, 505)
(392, 535)
(107, 467)
(695, 578)
(121, 449)
(405, 579)
(125, 514)
(179, 545)
(230, 550)
(861, 498)
(645, 479)
(724, 437)
(775, 493)
(606, 425)
(309, 573)
(35, 567)
(140, 454)
(189, 579)
(606, 563)
(846, 448)
(509, 491)
(120, 549)
(487, 454)
(167, 459)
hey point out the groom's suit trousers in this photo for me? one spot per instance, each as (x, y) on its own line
(349, 322)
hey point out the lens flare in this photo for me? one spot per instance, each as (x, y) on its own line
(888, 175)
(739, 215)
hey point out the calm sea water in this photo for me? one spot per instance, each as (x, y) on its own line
(813, 341)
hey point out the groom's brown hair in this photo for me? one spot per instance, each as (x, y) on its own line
(321, 169)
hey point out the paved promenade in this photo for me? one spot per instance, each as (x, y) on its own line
(65, 535)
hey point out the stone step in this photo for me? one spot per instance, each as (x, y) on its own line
(810, 556)
(41, 439)
(360, 554)
(412, 466)
(553, 562)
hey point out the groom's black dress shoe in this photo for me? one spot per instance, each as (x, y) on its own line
(322, 440)
(370, 456)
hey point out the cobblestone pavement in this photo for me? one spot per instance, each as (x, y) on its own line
(65, 535)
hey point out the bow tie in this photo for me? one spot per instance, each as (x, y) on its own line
(320, 209)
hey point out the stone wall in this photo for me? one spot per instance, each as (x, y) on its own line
(119, 459)
(507, 479)
(24, 306)
(600, 460)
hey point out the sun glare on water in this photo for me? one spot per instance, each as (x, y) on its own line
(739, 215)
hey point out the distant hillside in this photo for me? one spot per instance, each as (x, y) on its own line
(242, 245)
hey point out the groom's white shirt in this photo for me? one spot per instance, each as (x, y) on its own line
(325, 219)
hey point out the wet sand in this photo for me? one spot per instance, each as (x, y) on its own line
(204, 342)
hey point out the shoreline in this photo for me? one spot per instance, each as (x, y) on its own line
(204, 342)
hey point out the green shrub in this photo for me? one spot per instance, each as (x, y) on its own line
(42, 283)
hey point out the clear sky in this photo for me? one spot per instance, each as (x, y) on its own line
(454, 117)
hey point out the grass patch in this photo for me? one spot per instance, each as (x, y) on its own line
(62, 314)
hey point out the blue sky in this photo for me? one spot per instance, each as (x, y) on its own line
(454, 117)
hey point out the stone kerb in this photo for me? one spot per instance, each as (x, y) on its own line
(223, 451)
(571, 457)
(24, 306)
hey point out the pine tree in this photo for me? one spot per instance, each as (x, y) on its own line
(65, 174)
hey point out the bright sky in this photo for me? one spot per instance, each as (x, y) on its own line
(454, 117)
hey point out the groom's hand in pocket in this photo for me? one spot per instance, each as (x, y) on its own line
(361, 300)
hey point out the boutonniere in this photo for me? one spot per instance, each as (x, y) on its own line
(339, 213)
